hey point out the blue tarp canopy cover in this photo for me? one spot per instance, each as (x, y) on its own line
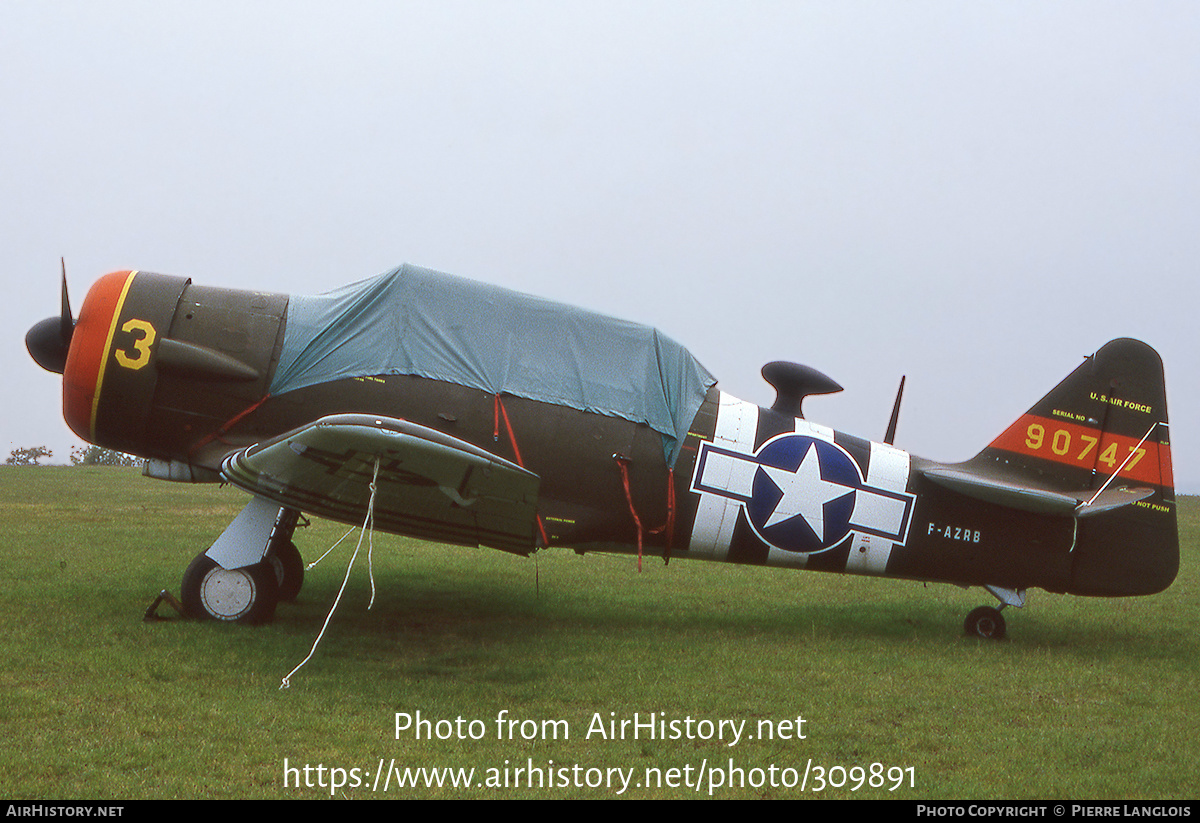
(417, 321)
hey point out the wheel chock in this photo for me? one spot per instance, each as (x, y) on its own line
(172, 601)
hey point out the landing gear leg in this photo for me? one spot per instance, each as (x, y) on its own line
(283, 556)
(234, 580)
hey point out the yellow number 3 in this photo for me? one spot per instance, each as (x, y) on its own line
(138, 354)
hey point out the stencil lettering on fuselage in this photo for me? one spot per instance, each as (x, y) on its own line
(801, 493)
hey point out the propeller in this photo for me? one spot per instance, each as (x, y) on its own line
(50, 339)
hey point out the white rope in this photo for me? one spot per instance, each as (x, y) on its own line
(313, 564)
(1113, 476)
(371, 538)
(368, 522)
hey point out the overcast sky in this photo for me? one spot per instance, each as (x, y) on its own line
(972, 194)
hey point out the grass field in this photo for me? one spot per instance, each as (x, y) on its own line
(1086, 699)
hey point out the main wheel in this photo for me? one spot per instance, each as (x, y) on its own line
(985, 622)
(246, 595)
(289, 570)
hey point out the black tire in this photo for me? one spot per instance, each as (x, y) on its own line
(247, 595)
(985, 622)
(289, 570)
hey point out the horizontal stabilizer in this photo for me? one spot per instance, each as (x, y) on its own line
(1083, 503)
(427, 483)
(1110, 499)
(1013, 495)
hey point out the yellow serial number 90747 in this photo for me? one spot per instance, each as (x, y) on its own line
(1060, 443)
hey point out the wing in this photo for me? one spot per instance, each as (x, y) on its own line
(430, 485)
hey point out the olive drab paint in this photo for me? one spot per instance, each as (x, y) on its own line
(466, 439)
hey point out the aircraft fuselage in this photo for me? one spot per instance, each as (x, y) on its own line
(180, 374)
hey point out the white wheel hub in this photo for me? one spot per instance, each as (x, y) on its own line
(227, 595)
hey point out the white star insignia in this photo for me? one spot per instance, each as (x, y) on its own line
(804, 493)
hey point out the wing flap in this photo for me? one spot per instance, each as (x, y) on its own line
(430, 485)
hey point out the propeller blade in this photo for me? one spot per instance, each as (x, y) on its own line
(66, 322)
(49, 340)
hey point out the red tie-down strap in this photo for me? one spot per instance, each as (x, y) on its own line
(623, 462)
(219, 434)
(498, 412)
(668, 527)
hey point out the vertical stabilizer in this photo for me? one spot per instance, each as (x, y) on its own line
(1103, 430)
(1108, 417)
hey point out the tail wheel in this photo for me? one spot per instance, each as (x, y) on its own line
(246, 595)
(285, 559)
(985, 622)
